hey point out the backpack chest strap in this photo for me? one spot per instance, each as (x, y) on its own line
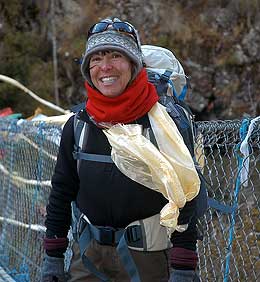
(81, 132)
(79, 155)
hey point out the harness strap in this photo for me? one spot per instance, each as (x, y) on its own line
(84, 242)
(106, 236)
(127, 260)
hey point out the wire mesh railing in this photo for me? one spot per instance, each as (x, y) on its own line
(230, 250)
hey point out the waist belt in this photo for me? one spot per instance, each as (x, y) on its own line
(118, 237)
(141, 235)
(106, 235)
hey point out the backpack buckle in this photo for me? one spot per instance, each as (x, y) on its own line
(134, 237)
(75, 152)
(106, 236)
(166, 76)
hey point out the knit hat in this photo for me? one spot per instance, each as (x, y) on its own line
(111, 39)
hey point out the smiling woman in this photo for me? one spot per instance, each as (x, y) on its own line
(118, 235)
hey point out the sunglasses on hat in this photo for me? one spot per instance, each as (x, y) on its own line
(118, 26)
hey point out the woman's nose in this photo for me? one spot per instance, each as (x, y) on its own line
(106, 64)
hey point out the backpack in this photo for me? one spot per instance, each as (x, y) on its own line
(167, 75)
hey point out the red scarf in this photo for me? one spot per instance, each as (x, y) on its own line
(137, 100)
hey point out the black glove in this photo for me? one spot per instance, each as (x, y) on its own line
(53, 270)
(184, 276)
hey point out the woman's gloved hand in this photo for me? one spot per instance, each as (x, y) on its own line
(53, 270)
(184, 276)
(183, 265)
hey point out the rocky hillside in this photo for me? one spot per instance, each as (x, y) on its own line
(218, 43)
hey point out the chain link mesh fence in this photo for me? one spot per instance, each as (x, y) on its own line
(230, 250)
(27, 158)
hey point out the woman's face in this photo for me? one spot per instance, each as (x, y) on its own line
(110, 72)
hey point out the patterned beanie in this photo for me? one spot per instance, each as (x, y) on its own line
(111, 39)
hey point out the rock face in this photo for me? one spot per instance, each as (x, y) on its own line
(217, 42)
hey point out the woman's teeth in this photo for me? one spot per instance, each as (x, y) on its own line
(108, 79)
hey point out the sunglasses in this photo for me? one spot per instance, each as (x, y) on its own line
(118, 26)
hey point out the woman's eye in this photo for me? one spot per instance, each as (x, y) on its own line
(116, 55)
(95, 59)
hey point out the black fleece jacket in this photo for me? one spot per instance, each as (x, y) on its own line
(102, 192)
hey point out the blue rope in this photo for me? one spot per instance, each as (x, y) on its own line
(183, 93)
(182, 96)
(243, 132)
(173, 88)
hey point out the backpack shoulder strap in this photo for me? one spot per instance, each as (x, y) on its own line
(183, 119)
(81, 130)
(81, 134)
(78, 125)
(79, 107)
